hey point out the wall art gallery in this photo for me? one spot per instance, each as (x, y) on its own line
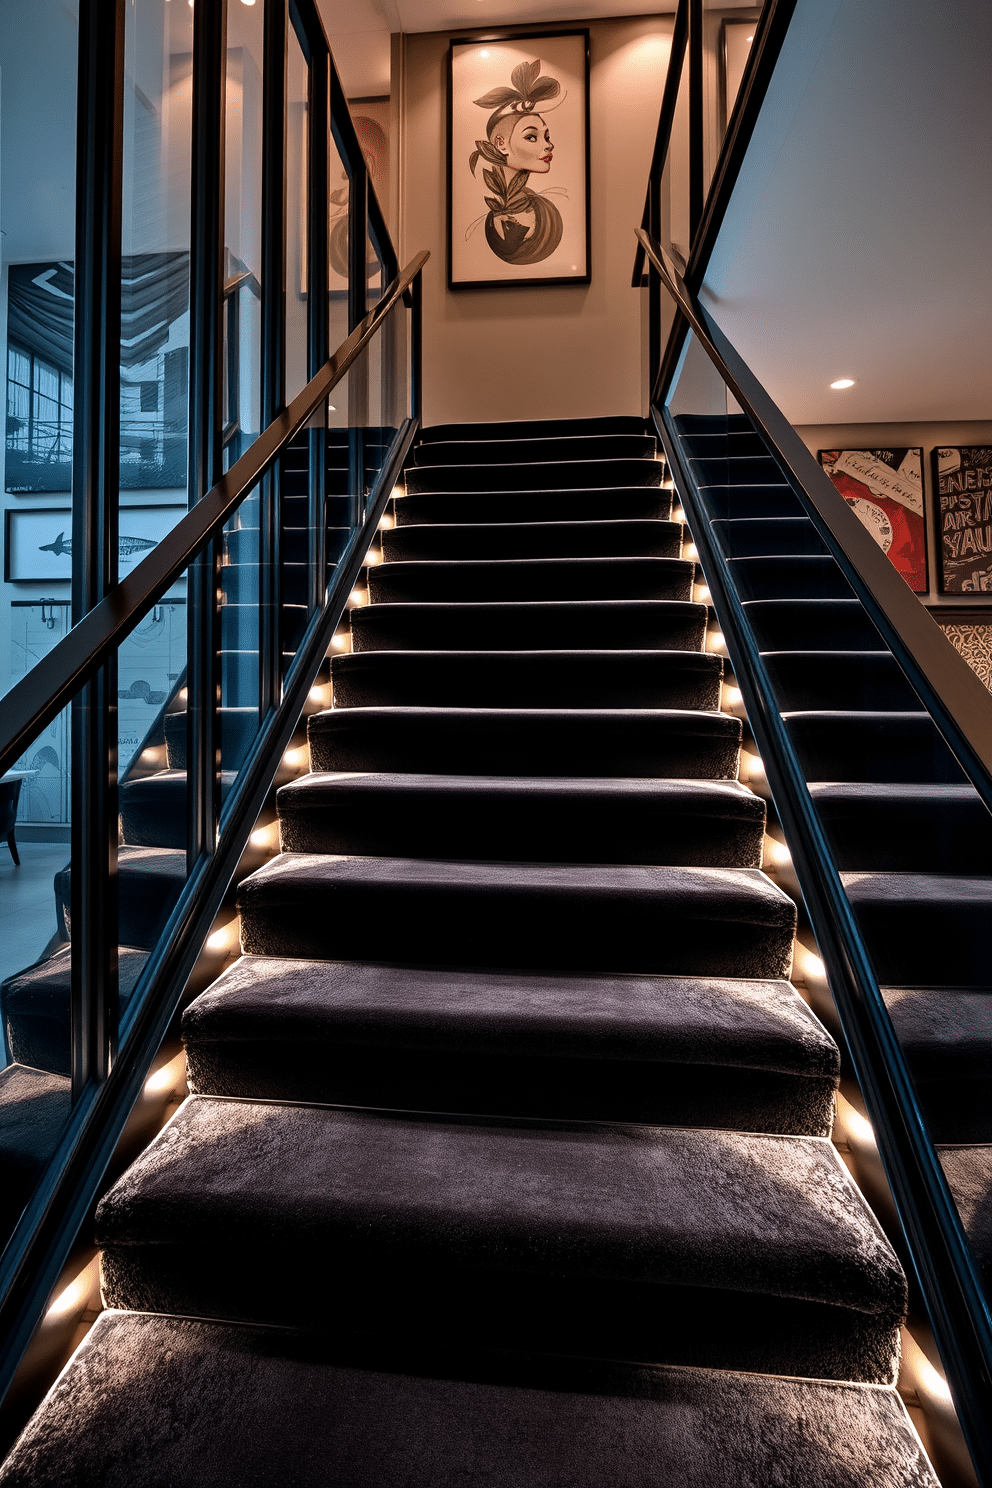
(518, 161)
(962, 482)
(884, 487)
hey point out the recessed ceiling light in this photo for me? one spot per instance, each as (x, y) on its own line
(843, 382)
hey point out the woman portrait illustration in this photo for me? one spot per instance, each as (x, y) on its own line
(518, 213)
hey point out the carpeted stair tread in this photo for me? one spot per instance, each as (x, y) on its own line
(475, 450)
(616, 503)
(924, 928)
(489, 1215)
(968, 1169)
(946, 1036)
(770, 499)
(239, 1404)
(547, 916)
(837, 745)
(238, 727)
(510, 429)
(943, 828)
(812, 625)
(35, 1005)
(633, 742)
(700, 1052)
(153, 807)
(494, 540)
(528, 679)
(34, 1106)
(804, 577)
(506, 579)
(572, 624)
(869, 681)
(764, 536)
(553, 474)
(149, 882)
(695, 823)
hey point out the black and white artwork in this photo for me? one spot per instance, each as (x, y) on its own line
(154, 374)
(38, 540)
(518, 161)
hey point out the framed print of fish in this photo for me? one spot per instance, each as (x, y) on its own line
(518, 160)
(38, 540)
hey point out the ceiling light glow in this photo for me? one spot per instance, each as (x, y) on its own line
(843, 382)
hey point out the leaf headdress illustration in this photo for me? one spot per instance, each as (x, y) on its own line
(517, 143)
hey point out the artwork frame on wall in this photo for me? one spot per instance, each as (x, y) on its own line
(502, 230)
(884, 487)
(37, 545)
(962, 500)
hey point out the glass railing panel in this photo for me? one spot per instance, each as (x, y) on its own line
(38, 45)
(297, 186)
(887, 804)
(337, 246)
(35, 964)
(297, 471)
(243, 230)
(240, 599)
(155, 274)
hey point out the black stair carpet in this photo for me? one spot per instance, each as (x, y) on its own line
(508, 1147)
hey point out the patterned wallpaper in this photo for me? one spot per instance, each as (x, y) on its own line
(973, 638)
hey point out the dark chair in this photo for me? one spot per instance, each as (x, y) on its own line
(10, 791)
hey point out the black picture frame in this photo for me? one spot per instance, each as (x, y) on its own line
(962, 515)
(564, 234)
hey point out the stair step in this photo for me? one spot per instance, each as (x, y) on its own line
(525, 476)
(535, 451)
(546, 916)
(812, 625)
(713, 423)
(904, 748)
(806, 577)
(692, 823)
(733, 443)
(253, 1405)
(589, 539)
(528, 679)
(703, 1052)
(509, 579)
(535, 428)
(773, 499)
(755, 537)
(923, 928)
(735, 470)
(238, 730)
(654, 624)
(968, 1169)
(153, 808)
(946, 1036)
(35, 1006)
(34, 1106)
(618, 503)
(633, 742)
(943, 828)
(869, 681)
(149, 882)
(720, 1249)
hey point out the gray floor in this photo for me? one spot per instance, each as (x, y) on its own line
(27, 902)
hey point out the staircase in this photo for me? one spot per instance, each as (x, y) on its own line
(508, 1157)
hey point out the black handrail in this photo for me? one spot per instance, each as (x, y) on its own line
(36, 699)
(948, 1277)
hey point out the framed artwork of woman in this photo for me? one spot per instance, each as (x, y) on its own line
(518, 160)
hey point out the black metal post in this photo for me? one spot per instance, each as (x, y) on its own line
(357, 309)
(95, 483)
(417, 349)
(205, 416)
(696, 130)
(273, 339)
(317, 277)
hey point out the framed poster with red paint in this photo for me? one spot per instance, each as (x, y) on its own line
(884, 487)
(963, 483)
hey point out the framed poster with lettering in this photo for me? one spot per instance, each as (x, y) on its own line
(884, 487)
(962, 482)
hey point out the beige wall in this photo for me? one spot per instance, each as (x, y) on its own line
(928, 436)
(526, 352)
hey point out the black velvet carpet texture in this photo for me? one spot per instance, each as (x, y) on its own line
(507, 1157)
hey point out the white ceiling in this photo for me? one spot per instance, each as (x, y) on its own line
(857, 240)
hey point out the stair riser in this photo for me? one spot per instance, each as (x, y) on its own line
(649, 625)
(534, 540)
(804, 578)
(925, 838)
(569, 1089)
(532, 580)
(786, 537)
(623, 503)
(554, 475)
(536, 451)
(812, 625)
(480, 742)
(852, 750)
(744, 502)
(870, 682)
